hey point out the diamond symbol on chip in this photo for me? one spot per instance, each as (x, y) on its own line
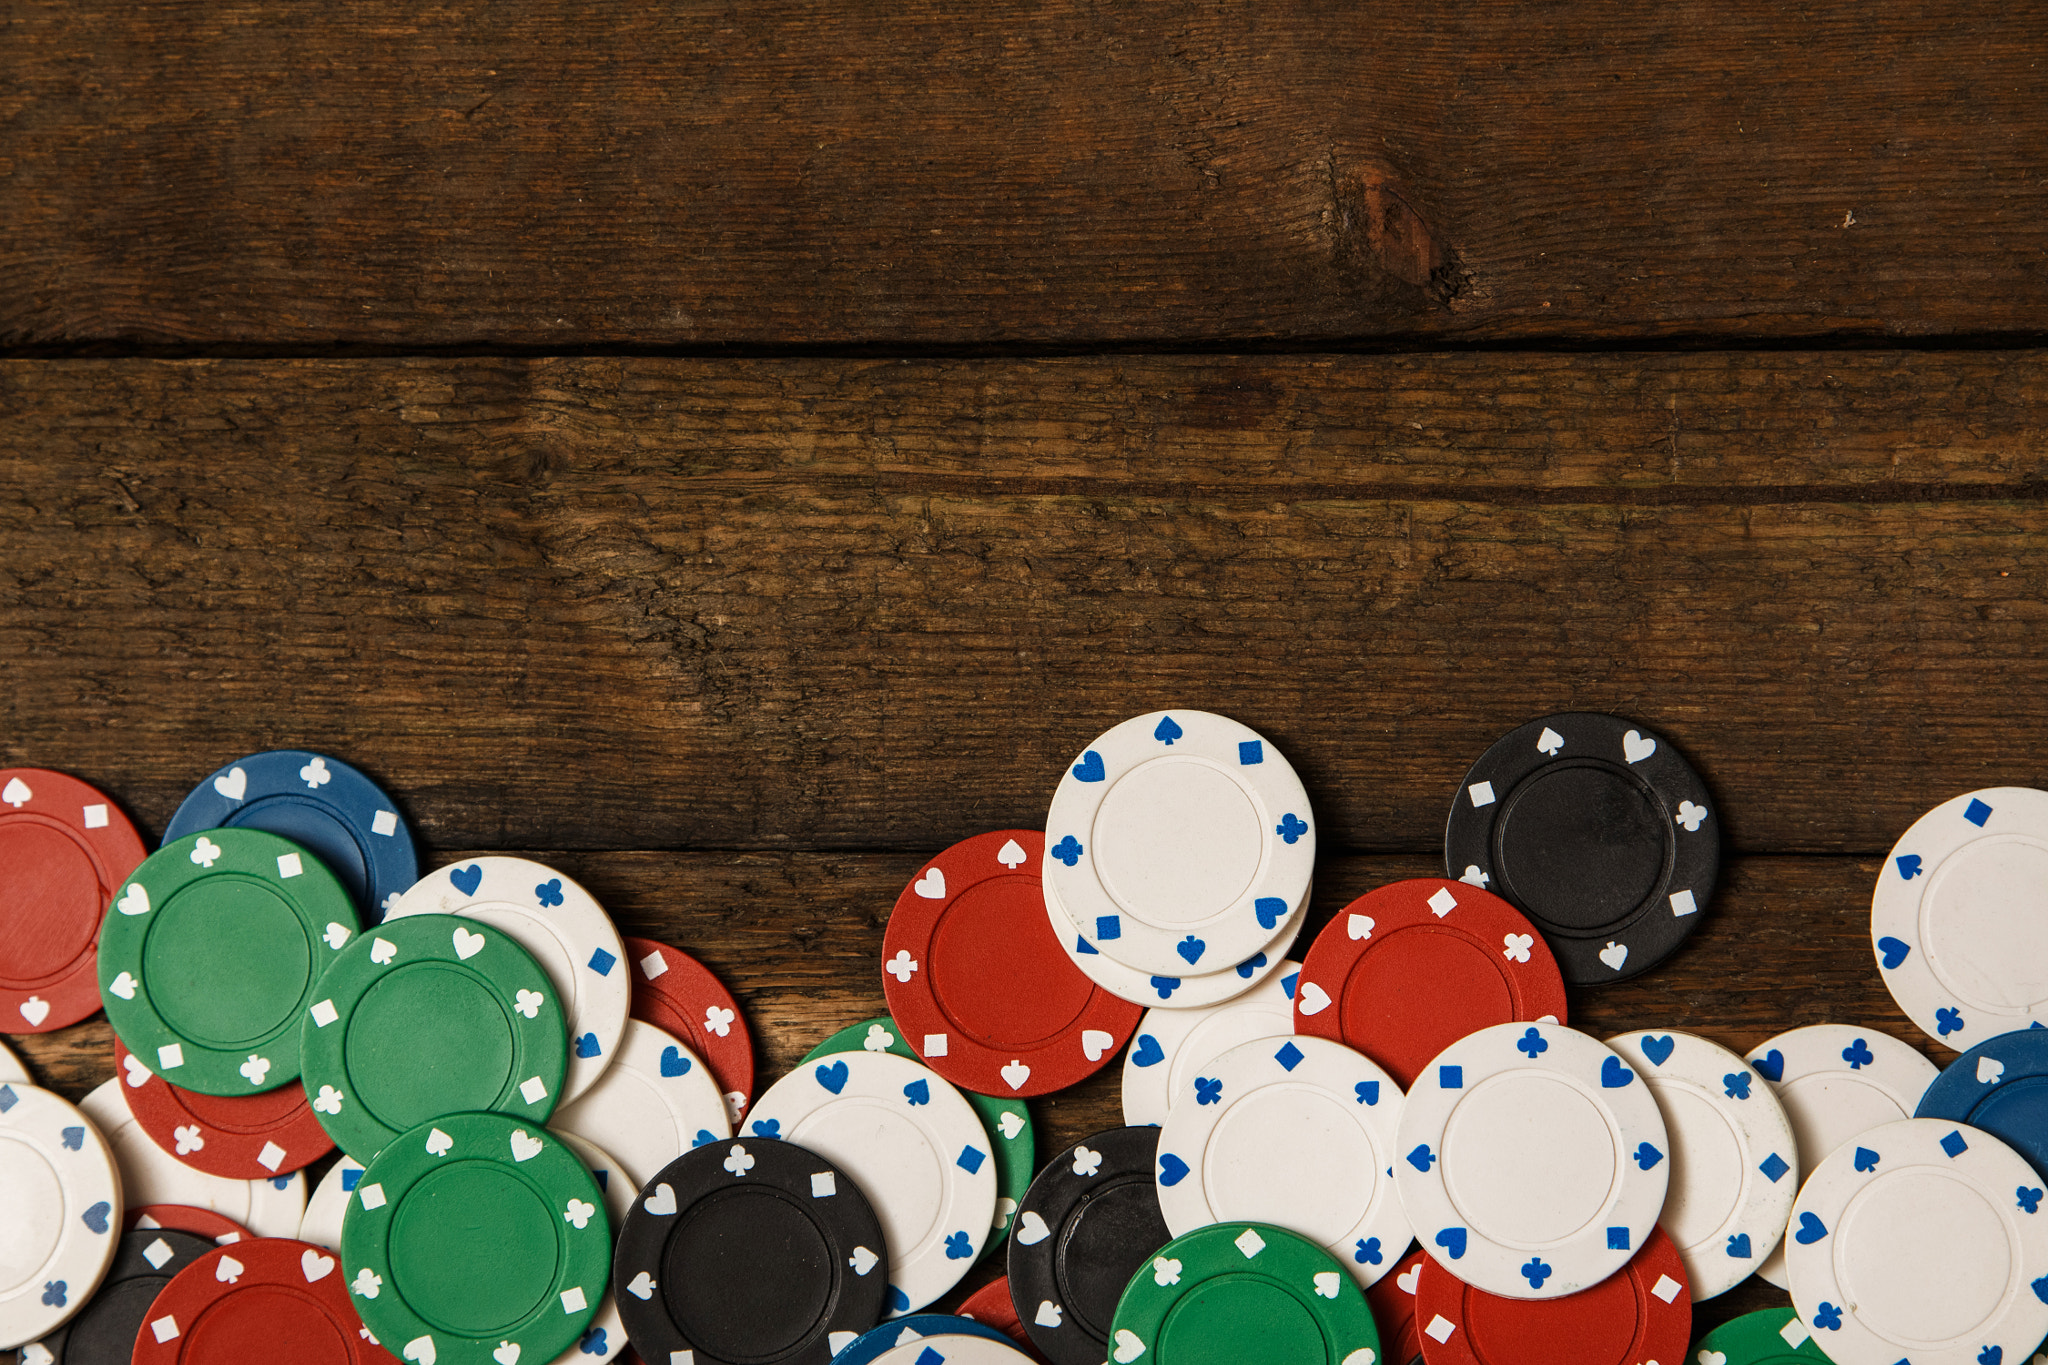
(1250, 1243)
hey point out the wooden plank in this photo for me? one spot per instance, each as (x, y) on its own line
(799, 173)
(647, 603)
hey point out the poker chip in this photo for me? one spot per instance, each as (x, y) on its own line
(1277, 1298)
(1956, 917)
(2001, 1086)
(953, 1348)
(1171, 1043)
(1012, 1140)
(1733, 1156)
(975, 975)
(11, 1068)
(951, 1337)
(1599, 831)
(60, 1206)
(103, 1332)
(991, 1307)
(1090, 1219)
(205, 1223)
(752, 1251)
(1925, 1239)
(1179, 841)
(1834, 1082)
(256, 1302)
(1170, 992)
(1533, 1160)
(1408, 969)
(564, 928)
(430, 1015)
(472, 1233)
(605, 1338)
(1392, 1299)
(326, 1206)
(150, 1175)
(678, 995)
(655, 1102)
(1643, 1313)
(914, 1146)
(1294, 1132)
(64, 847)
(242, 1137)
(212, 948)
(319, 803)
(1772, 1336)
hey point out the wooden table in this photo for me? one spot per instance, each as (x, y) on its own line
(732, 453)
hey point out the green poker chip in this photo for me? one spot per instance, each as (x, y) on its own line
(1008, 1122)
(1773, 1336)
(475, 1239)
(425, 1016)
(1243, 1294)
(211, 950)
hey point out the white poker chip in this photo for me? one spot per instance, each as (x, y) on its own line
(655, 1101)
(271, 1207)
(1179, 842)
(1296, 1132)
(1921, 1240)
(1170, 1044)
(1734, 1161)
(11, 1068)
(1959, 917)
(1171, 992)
(914, 1146)
(605, 1337)
(1534, 1160)
(321, 1223)
(60, 1212)
(952, 1349)
(1835, 1082)
(565, 930)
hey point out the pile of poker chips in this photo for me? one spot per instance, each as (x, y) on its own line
(1390, 1146)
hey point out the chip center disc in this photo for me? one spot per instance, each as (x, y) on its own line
(254, 1323)
(1923, 1257)
(36, 1199)
(1530, 1160)
(226, 962)
(997, 970)
(1707, 1169)
(428, 1039)
(1581, 845)
(474, 1249)
(1984, 919)
(1240, 1320)
(1291, 1147)
(884, 1151)
(1178, 841)
(747, 1275)
(1095, 1245)
(315, 826)
(1595, 1326)
(43, 868)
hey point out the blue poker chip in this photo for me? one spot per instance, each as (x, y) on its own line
(2001, 1086)
(871, 1345)
(320, 803)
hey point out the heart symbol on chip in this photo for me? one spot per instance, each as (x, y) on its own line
(134, 901)
(35, 1009)
(1614, 954)
(314, 1266)
(1147, 1052)
(1409, 1278)
(1128, 1347)
(507, 1353)
(1359, 927)
(1031, 1229)
(138, 1074)
(95, 1217)
(420, 1350)
(1011, 854)
(832, 1077)
(227, 1270)
(931, 886)
(1094, 1042)
(382, 950)
(1270, 910)
(1452, 1240)
(1771, 1066)
(466, 879)
(1311, 999)
(674, 1063)
(662, 1203)
(1810, 1230)
(1326, 1283)
(439, 1143)
(1635, 747)
(1989, 1070)
(232, 784)
(525, 1146)
(467, 944)
(1614, 1074)
(1892, 951)
(1090, 768)
(1049, 1314)
(1172, 1170)
(1015, 1073)
(1658, 1050)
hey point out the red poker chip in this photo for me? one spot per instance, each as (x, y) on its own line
(678, 995)
(214, 1227)
(979, 985)
(1642, 1313)
(1392, 1299)
(254, 1303)
(65, 848)
(991, 1307)
(242, 1137)
(1405, 971)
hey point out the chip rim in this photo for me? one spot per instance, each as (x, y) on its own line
(87, 1175)
(1187, 992)
(232, 1153)
(692, 1099)
(275, 1203)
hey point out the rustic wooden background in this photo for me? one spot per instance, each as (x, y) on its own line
(733, 452)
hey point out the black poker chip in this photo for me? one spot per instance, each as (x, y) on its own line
(1089, 1221)
(1599, 831)
(103, 1332)
(749, 1252)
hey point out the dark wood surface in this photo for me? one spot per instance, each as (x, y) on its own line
(734, 452)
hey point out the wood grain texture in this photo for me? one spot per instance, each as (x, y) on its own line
(878, 605)
(1028, 171)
